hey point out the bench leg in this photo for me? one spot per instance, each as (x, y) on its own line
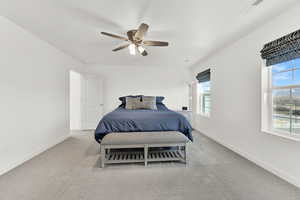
(146, 154)
(107, 151)
(103, 156)
(185, 155)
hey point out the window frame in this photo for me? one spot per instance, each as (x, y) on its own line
(267, 104)
(200, 100)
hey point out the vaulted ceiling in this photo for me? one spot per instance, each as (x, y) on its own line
(194, 28)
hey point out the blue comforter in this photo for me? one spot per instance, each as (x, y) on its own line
(123, 120)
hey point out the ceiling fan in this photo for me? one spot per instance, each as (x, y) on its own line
(136, 40)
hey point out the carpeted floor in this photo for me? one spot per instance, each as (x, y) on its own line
(71, 171)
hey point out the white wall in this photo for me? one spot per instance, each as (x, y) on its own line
(34, 103)
(236, 114)
(169, 82)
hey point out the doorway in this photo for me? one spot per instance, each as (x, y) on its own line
(86, 101)
(75, 100)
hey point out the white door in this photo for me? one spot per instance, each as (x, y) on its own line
(92, 102)
(75, 100)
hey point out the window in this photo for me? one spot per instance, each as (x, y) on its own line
(281, 86)
(204, 102)
(203, 93)
(282, 97)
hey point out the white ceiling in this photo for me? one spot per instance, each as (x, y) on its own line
(194, 28)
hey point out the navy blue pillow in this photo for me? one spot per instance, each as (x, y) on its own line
(159, 99)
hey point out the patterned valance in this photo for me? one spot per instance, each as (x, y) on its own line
(203, 76)
(283, 49)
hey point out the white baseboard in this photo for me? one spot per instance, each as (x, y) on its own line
(45, 148)
(258, 162)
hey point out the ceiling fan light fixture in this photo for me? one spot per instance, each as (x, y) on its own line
(132, 50)
(141, 49)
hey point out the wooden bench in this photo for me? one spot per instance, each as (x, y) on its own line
(146, 141)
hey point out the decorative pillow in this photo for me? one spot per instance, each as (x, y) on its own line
(148, 102)
(132, 103)
(159, 99)
(123, 99)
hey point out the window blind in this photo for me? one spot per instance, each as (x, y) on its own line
(203, 76)
(283, 49)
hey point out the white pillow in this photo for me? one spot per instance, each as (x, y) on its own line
(148, 102)
(132, 102)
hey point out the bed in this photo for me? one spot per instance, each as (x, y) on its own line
(143, 120)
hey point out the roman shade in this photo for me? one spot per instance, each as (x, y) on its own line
(203, 76)
(283, 49)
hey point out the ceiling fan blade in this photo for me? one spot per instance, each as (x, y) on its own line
(121, 47)
(155, 43)
(141, 32)
(114, 36)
